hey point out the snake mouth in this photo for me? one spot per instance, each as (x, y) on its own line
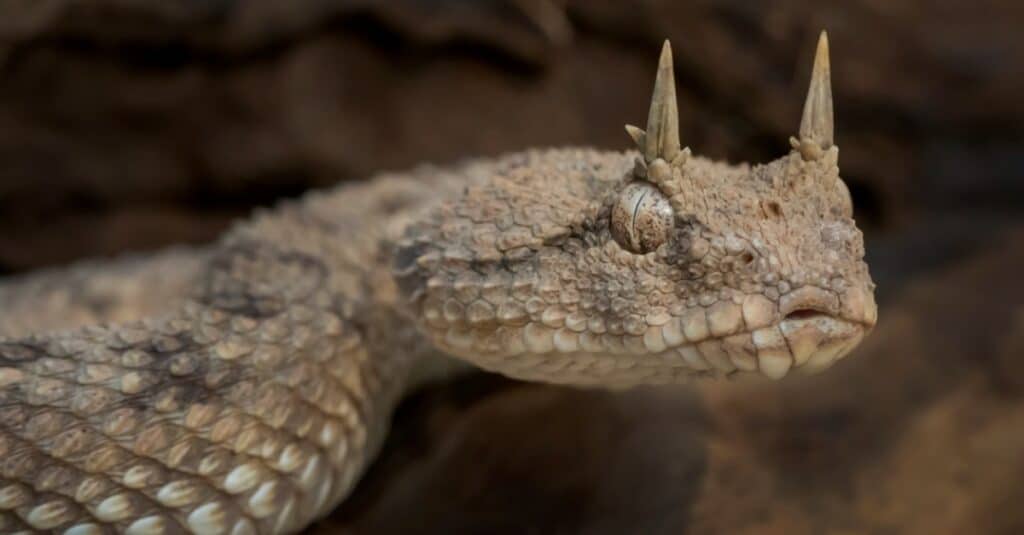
(817, 331)
(806, 331)
(807, 341)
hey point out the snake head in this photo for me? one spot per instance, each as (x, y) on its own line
(649, 266)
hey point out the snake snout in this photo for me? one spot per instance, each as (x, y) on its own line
(855, 304)
(821, 326)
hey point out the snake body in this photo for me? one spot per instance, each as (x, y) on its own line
(244, 387)
(249, 403)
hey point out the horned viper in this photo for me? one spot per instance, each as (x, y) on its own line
(244, 387)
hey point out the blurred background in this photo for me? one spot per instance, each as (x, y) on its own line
(132, 125)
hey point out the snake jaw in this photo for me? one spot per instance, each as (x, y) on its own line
(806, 330)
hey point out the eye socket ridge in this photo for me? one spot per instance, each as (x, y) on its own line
(641, 218)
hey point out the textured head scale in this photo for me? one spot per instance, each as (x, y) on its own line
(588, 267)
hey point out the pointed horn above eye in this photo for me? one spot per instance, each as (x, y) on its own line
(662, 137)
(818, 124)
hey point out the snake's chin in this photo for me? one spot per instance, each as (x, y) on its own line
(816, 341)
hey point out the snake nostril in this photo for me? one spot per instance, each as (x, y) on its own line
(804, 314)
(808, 302)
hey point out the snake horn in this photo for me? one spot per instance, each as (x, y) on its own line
(662, 138)
(638, 136)
(818, 123)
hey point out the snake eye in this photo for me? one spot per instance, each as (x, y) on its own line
(641, 218)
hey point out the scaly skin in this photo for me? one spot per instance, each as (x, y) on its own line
(94, 292)
(260, 384)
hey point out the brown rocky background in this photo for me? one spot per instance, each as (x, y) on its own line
(128, 125)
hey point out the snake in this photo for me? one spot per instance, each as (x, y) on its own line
(245, 386)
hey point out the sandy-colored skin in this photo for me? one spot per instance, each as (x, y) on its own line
(258, 380)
